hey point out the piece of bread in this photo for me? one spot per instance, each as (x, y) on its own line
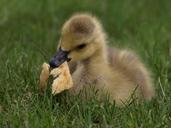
(44, 75)
(62, 77)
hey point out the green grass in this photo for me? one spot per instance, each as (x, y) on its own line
(29, 31)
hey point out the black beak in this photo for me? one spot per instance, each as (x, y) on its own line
(59, 58)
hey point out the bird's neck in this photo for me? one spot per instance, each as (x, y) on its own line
(97, 60)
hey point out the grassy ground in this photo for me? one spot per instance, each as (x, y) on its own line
(29, 30)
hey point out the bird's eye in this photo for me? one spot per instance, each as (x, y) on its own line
(81, 46)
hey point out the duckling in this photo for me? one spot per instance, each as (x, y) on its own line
(118, 72)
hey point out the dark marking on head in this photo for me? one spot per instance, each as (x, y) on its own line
(82, 25)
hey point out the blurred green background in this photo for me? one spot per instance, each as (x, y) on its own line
(29, 32)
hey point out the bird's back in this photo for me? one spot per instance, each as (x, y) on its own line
(129, 64)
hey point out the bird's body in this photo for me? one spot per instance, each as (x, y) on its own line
(117, 72)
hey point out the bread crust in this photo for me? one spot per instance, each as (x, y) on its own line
(62, 78)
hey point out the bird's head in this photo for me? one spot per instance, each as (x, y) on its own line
(81, 37)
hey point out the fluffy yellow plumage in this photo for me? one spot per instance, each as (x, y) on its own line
(116, 72)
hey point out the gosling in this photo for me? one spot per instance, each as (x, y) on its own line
(119, 73)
